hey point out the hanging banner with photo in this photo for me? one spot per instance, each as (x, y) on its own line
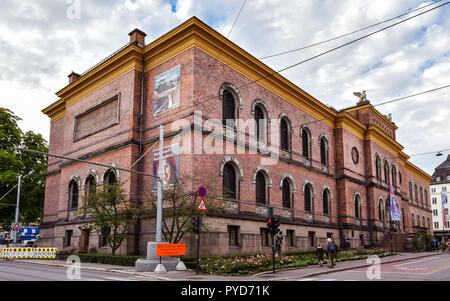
(166, 94)
(171, 165)
(395, 214)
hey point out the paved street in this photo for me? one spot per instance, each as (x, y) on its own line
(401, 267)
(18, 271)
(435, 268)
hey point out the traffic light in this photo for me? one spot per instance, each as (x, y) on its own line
(196, 224)
(270, 224)
(275, 225)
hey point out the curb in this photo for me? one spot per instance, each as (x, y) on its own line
(99, 270)
(359, 266)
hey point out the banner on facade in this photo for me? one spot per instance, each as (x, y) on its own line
(166, 94)
(171, 165)
(395, 213)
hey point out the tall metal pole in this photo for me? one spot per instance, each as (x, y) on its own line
(160, 186)
(16, 219)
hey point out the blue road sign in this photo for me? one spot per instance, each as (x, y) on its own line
(202, 191)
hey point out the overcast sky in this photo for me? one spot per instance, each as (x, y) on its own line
(42, 41)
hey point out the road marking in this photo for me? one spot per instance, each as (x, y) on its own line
(119, 279)
(307, 279)
(327, 279)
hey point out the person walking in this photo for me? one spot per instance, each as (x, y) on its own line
(433, 245)
(331, 253)
(448, 246)
(319, 254)
(443, 244)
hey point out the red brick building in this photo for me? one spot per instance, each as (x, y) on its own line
(330, 176)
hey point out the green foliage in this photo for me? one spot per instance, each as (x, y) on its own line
(251, 264)
(180, 207)
(123, 260)
(31, 166)
(110, 212)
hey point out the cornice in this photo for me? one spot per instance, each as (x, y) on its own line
(416, 171)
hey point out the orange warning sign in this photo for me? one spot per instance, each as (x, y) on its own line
(170, 249)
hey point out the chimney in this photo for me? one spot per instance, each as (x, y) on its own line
(137, 37)
(73, 77)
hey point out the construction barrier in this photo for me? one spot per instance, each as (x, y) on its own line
(28, 253)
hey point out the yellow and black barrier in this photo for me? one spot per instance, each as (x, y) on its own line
(28, 253)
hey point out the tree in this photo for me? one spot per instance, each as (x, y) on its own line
(110, 212)
(13, 163)
(179, 209)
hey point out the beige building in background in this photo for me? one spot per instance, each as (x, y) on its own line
(440, 185)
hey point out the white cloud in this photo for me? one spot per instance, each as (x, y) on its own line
(40, 46)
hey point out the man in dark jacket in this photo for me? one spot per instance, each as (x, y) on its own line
(331, 253)
(319, 254)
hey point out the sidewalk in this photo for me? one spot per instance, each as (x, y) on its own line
(280, 275)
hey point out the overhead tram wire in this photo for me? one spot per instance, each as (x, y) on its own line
(379, 104)
(441, 151)
(85, 161)
(303, 61)
(237, 17)
(347, 34)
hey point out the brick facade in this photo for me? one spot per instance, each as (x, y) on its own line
(203, 76)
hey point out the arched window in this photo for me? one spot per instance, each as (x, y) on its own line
(287, 193)
(229, 182)
(416, 194)
(413, 221)
(323, 151)
(425, 193)
(357, 206)
(306, 138)
(110, 177)
(73, 194)
(228, 108)
(394, 176)
(261, 188)
(421, 196)
(418, 220)
(410, 192)
(381, 210)
(386, 172)
(326, 202)
(378, 168)
(403, 219)
(423, 222)
(261, 124)
(284, 134)
(308, 198)
(90, 185)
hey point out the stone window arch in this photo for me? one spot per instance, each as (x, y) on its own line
(381, 208)
(261, 116)
(231, 101)
(262, 182)
(324, 148)
(306, 135)
(285, 125)
(358, 205)
(326, 200)
(232, 173)
(378, 167)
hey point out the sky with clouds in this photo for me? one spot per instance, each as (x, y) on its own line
(42, 41)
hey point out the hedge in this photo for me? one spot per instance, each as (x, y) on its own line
(123, 260)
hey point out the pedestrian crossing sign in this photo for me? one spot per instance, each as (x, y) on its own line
(202, 206)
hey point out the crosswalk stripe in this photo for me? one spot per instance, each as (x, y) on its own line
(119, 279)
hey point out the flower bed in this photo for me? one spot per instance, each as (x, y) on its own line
(252, 264)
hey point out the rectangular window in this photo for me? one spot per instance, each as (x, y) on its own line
(103, 241)
(434, 201)
(436, 225)
(444, 189)
(448, 224)
(233, 234)
(433, 190)
(312, 238)
(290, 236)
(265, 237)
(68, 238)
(329, 235)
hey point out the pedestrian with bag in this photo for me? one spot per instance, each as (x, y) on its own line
(331, 253)
(319, 254)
